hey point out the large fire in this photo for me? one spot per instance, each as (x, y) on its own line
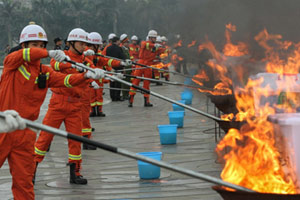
(250, 154)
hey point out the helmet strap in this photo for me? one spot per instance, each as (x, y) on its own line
(72, 43)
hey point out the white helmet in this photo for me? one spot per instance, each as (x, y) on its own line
(33, 32)
(152, 33)
(111, 36)
(158, 39)
(94, 38)
(134, 37)
(123, 37)
(164, 39)
(78, 34)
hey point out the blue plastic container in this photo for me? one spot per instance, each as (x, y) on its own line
(187, 96)
(177, 107)
(147, 170)
(176, 117)
(168, 133)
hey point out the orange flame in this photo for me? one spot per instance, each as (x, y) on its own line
(192, 44)
(251, 154)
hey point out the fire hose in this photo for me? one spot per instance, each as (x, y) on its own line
(146, 66)
(130, 154)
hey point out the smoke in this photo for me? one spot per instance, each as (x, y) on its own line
(200, 18)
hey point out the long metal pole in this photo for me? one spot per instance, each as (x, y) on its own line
(130, 154)
(166, 98)
(147, 66)
(153, 93)
(166, 82)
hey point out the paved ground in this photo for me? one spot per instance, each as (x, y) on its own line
(112, 176)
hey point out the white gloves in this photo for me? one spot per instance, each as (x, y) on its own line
(157, 45)
(58, 55)
(95, 85)
(119, 75)
(126, 63)
(99, 74)
(12, 122)
(89, 52)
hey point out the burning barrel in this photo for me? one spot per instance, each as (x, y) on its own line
(238, 195)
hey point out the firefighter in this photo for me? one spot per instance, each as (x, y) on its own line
(148, 54)
(134, 49)
(65, 106)
(23, 87)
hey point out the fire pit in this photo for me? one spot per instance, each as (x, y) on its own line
(226, 125)
(238, 195)
(225, 103)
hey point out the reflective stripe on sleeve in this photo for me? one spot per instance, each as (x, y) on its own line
(24, 72)
(109, 62)
(66, 81)
(56, 66)
(26, 54)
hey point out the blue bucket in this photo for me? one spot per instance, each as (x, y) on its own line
(147, 170)
(177, 107)
(187, 96)
(176, 117)
(167, 133)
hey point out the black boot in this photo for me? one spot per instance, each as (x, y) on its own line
(130, 101)
(73, 177)
(100, 113)
(146, 102)
(33, 179)
(94, 112)
(158, 83)
(87, 146)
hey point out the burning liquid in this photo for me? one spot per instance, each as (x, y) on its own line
(250, 154)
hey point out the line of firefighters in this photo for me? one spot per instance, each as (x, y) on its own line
(77, 94)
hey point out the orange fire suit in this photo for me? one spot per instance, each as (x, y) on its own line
(19, 91)
(65, 106)
(134, 50)
(105, 64)
(148, 55)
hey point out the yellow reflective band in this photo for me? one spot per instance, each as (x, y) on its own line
(26, 54)
(133, 91)
(56, 66)
(74, 157)
(24, 72)
(99, 103)
(147, 46)
(131, 57)
(39, 152)
(47, 77)
(93, 104)
(109, 62)
(86, 130)
(66, 81)
(156, 77)
(131, 48)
